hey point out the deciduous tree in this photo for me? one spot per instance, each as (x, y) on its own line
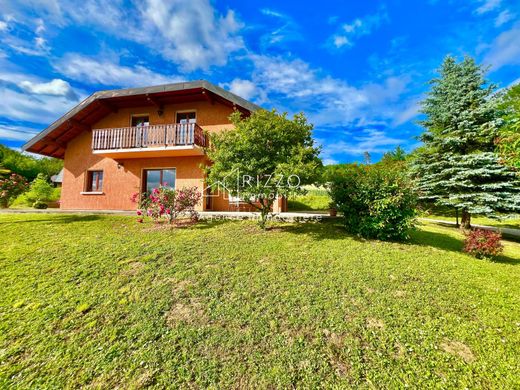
(265, 156)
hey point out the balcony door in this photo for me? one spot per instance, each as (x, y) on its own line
(185, 127)
(141, 133)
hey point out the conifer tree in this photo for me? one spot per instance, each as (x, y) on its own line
(458, 165)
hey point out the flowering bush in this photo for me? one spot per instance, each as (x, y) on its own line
(10, 188)
(164, 202)
(483, 243)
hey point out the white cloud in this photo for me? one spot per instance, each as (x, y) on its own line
(243, 88)
(517, 81)
(340, 41)
(487, 6)
(409, 112)
(16, 133)
(327, 101)
(24, 36)
(33, 108)
(287, 31)
(330, 161)
(29, 98)
(505, 49)
(193, 34)
(355, 144)
(106, 72)
(55, 87)
(190, 33)
(503, 17)
(359, 27)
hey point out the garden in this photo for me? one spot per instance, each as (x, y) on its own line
(378, 297)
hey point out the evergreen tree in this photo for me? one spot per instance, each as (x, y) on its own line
(458, 165)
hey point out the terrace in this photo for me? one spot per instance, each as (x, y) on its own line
(174, 139)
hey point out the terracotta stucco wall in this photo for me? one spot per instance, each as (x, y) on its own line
(211, 117)
(120, 182)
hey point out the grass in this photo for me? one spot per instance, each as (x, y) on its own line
(103, 302)
(504, 221)
(316, 199)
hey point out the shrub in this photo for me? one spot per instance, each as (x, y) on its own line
(377, 201)
(483, 243)
(164, 202)
(39, 205)
(10, 188)
(40, 190)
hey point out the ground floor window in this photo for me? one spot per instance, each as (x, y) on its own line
(94, 181)
(154, 178)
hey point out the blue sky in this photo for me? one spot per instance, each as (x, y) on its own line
(357, 69)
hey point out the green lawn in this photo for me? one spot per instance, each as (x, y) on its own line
(316, 199)
(512, 222)
(104, 302)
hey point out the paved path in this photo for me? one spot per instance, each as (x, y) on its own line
(207, 215)
(505, 231)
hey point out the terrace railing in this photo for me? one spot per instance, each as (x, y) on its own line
(153, 136)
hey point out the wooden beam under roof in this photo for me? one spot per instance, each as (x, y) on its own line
(108, 105)
(80, 125)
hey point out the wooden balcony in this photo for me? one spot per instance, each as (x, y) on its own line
(176, 139)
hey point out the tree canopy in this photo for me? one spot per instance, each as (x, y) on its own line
(26, 165)
(509, 140)
(265, 156)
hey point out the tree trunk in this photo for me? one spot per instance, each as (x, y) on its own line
(465, 222)
(264, 212)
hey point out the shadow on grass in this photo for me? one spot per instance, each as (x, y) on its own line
(450, 243)
(324, 230)
(60, 219)
(203, 224)
(334, 230)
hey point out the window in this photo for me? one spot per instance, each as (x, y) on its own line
(140, 120)
(186, 117)
(94, 181)
(154, 178)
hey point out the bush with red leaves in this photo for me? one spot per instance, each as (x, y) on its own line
(10, 188)
(483, 243)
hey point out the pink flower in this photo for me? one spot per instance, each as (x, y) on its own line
(139, 212)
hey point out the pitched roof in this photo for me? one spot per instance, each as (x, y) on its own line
(52, 140)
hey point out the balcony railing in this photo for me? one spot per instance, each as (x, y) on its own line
(154, 136)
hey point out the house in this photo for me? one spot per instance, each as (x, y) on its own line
(119, 142)
(57, 179)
